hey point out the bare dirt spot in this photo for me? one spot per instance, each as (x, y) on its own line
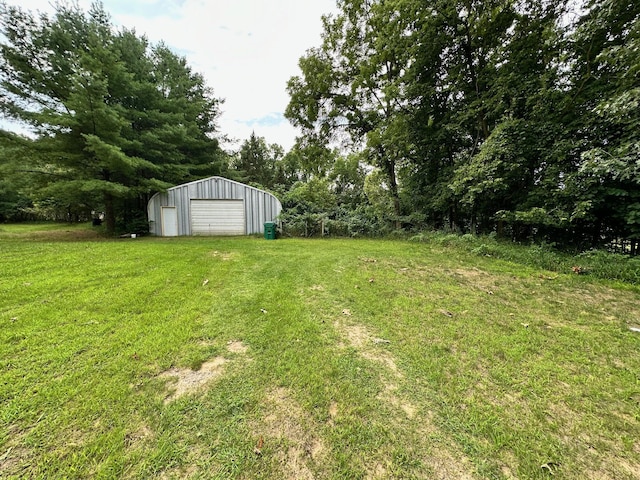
(289, 432)
(443, 458)
(377, 471)
(189, 381)
(632, 469)
(236, 346)
(357, 335)
(446, 465)
(179, 472)
(477, 278)
(12, 459)
(386, 359)
(390, 396)
(140, 436)
(333, 410)
(361, 339)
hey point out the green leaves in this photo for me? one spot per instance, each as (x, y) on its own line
(118, 117)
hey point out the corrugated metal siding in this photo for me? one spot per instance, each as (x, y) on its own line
(260, 206)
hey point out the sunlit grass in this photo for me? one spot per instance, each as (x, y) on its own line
(359, 359)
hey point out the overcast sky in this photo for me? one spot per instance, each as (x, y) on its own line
(246, 50)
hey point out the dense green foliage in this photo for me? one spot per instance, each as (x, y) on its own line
(115, 119)
(515, 117)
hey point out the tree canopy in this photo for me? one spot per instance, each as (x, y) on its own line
(513, 116)
(115, 119)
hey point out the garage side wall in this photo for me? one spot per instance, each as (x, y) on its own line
(260, 206)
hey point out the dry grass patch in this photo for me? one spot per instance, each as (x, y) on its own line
(289, 437)
(224, 256)
(477, 278)
(14, 460)
(236, 346)
(443, 459)
(186, 381)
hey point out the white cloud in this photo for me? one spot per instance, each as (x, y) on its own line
(246, 49)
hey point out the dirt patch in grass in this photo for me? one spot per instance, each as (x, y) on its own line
(141, 434)
(290, 437)
(446, 465)
(372, 349)
(477, 279)
(378, 471)
(179, 472)
(184, 381)
(13, 460)
(187, 381)
(390, 396)
(236, 346)
(444, 459)
(368, 345)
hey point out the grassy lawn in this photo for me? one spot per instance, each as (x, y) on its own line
(300, 359)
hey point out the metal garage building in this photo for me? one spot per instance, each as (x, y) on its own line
(211, 206)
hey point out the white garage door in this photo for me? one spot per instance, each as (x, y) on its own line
(217, 217)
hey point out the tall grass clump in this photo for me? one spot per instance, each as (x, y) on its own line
(598, 263)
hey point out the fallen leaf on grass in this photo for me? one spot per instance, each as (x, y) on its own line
(258, 449)
(368, 260)
(550, 467)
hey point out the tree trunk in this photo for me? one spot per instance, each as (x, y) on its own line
(390, 168)
(109, 214)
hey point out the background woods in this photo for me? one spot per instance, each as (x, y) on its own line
(514, 117)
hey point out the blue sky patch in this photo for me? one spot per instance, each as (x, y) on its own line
(270, 120)
(153, 9)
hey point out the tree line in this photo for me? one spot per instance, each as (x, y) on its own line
(517, 117)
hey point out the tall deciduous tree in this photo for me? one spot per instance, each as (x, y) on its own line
(352, 87)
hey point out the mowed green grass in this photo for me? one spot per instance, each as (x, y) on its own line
(299, 359)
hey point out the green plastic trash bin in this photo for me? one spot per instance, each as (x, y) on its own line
(270, 230)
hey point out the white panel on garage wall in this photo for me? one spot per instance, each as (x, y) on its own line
(169, 222)
(217, 217)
